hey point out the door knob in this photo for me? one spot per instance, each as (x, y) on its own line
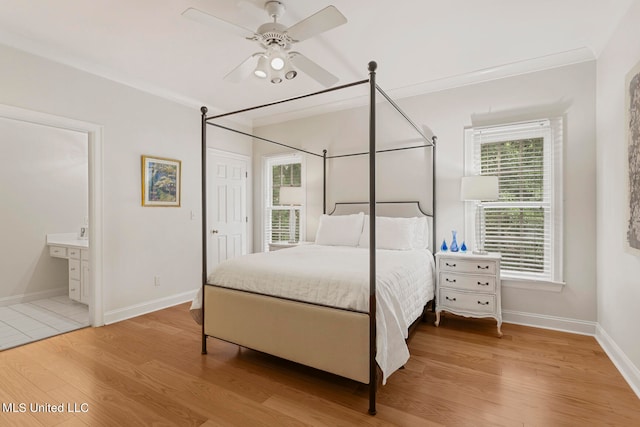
(214, 231)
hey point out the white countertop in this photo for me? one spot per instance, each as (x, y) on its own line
(67, 239)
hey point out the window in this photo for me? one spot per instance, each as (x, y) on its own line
(525, 223)
(278, 219)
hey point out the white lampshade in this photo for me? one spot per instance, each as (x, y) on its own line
(479, 187)
(291, 196)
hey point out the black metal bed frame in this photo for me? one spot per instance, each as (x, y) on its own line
(430, 143)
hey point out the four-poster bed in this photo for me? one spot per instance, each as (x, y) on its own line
(309, 332)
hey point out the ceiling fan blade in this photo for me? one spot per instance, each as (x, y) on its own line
(215, 22)
(319, 22)
(243, 70)
(313, 70)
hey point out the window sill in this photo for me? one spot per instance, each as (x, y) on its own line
(532, 285)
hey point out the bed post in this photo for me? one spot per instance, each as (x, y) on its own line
(324, 181)
(204, 216)
(373, 372)
(433, 193)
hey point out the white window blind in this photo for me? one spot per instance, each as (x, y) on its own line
(525, 223)
(282, 171)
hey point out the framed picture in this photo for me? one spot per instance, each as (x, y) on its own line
(160, 181)
(632, 130)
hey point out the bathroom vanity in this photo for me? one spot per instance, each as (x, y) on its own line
(76, 251)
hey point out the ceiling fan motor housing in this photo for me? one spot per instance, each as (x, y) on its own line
(273, 33)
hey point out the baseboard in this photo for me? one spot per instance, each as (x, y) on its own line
(628, 370)
(19, 299)
(121, 314)
(563, 324)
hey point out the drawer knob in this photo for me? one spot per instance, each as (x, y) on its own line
(72, 269)
(483, 284)
(450, 280)
(483, 303)
(483, 267)
(449, 265)
(451, 299)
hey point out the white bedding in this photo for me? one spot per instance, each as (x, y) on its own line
(338, 276)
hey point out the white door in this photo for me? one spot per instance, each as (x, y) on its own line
(226, 207)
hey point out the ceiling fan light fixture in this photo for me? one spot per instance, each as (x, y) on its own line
(277, 58)
(277, 63)
(261, 70)
(290, 73)
(276, 77)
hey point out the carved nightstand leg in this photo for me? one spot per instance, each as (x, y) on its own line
(437, 322)
(499, 330)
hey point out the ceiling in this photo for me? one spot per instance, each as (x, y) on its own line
(419, 45)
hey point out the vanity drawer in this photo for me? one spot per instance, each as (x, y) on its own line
(467, 266)
(73, 253)
(58, 251)
(478, 283)
(74, 289)
(74, 270)
(468, 302)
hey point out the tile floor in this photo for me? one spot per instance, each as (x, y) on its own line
(35, 320)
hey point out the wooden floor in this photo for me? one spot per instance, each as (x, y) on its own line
(149, 371)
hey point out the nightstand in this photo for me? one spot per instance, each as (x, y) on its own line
(468, 285)
(274, 246)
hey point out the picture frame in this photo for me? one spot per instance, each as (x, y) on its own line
(632, 136)
(161, 181)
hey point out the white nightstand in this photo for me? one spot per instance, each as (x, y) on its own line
(274, 246)
(468, 285)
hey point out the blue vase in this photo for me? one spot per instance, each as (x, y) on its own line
(443, 246)
(454, 243)
(463, 248)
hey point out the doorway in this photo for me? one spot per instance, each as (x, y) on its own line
(93, 135)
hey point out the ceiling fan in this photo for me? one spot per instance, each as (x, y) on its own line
(278, 62)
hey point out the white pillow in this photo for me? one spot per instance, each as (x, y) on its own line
(340, 230)
(421, 236)
(391, 233)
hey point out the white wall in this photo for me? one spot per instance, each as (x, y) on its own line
(139, 243)
(44, 189)
(618, 268)
(568, 91)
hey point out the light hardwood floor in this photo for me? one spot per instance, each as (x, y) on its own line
(149, 371)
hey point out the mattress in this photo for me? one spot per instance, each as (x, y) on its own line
(338, 276)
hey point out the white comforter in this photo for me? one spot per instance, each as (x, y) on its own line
(339, 277)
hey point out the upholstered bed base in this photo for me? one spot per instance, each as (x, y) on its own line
(325, 338)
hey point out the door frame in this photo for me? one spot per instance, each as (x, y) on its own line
(94, 134)
(248, 192)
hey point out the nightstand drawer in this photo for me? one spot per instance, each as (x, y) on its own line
(467, 266)
(478, 283)
(470, 302)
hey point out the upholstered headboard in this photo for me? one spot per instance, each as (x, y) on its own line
(391, 209)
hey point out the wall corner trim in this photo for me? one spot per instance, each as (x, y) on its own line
(629, 371)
